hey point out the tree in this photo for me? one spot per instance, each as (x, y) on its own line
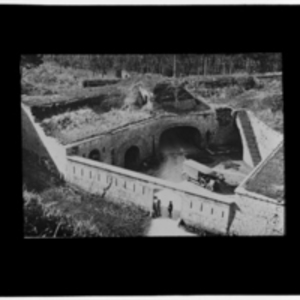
(171, 64)
(174, 69)
(30, 61)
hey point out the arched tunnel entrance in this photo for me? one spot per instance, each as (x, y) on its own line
(180, 140)
(132, 158)
(178, 144)
(174, 146)
(95, 155)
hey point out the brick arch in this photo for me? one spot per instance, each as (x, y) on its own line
(95, 154)
(159, 133)
(142, 144)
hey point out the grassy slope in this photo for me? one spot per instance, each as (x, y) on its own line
(269, 181)
(113, 219)
(76, 125)
(90, 213)
(50, 83)
(64, 84)
(87, 120)
(259, 100)
(37, 177)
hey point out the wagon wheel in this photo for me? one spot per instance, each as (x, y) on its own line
(202, 181)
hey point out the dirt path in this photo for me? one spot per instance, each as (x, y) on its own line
(166, 227)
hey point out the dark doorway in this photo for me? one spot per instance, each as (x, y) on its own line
(113, 156)
(132, 158)
(208, 134)
(95, 155)
(178, 139)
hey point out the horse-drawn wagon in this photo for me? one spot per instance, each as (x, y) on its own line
(200, 174)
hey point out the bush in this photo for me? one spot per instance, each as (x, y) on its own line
(62, 212)
(46, 75)
(60, 195)
(38, 222)
(234, 91)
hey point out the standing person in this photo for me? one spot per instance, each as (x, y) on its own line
(202, 182)
(154, 207)
(170, 209)
(158, 208)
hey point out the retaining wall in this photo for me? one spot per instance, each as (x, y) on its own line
(145, 135)
(267, 138)
(257, 216)
(139, 189)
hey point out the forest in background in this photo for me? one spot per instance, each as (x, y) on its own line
(165, 64)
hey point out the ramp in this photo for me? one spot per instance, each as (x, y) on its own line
(259, 140)
(35, 140)
(250, 138)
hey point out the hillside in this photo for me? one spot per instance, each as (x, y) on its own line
(70, 112)
(264, 98)
(54, 209)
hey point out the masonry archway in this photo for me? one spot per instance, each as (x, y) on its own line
(95, 155)
(132, 158)
(179, 138)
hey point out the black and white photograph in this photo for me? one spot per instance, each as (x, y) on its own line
(145, 145)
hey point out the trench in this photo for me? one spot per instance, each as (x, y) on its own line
(181, 143)
(99, 104)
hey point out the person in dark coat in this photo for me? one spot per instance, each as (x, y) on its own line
(170, 209)
(158, 208)
(154, 214)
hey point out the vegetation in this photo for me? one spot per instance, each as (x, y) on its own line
(45, 221)
(90, 111)
(49, 78)
(76, 125)
(36, 175)
(62, 212)
(49, 203)
(51, 209)
(92, 66)
(264, 99)
(269, 181)
(168, 64)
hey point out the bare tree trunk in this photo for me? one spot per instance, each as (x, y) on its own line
(106, 188)
(231, 66)
(204, 65)
(247, 65)
(174, 68)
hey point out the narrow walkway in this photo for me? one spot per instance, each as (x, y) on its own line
(166, 227)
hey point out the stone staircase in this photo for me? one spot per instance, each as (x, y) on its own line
(250, 137)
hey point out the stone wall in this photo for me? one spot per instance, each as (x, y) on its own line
(257, 216)
(248, 215)
(35, 140)
(30, 138)
(32, 142)
(212, 214)
(226, 132)
(145, 135)
(247, 158)
(267, 138)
